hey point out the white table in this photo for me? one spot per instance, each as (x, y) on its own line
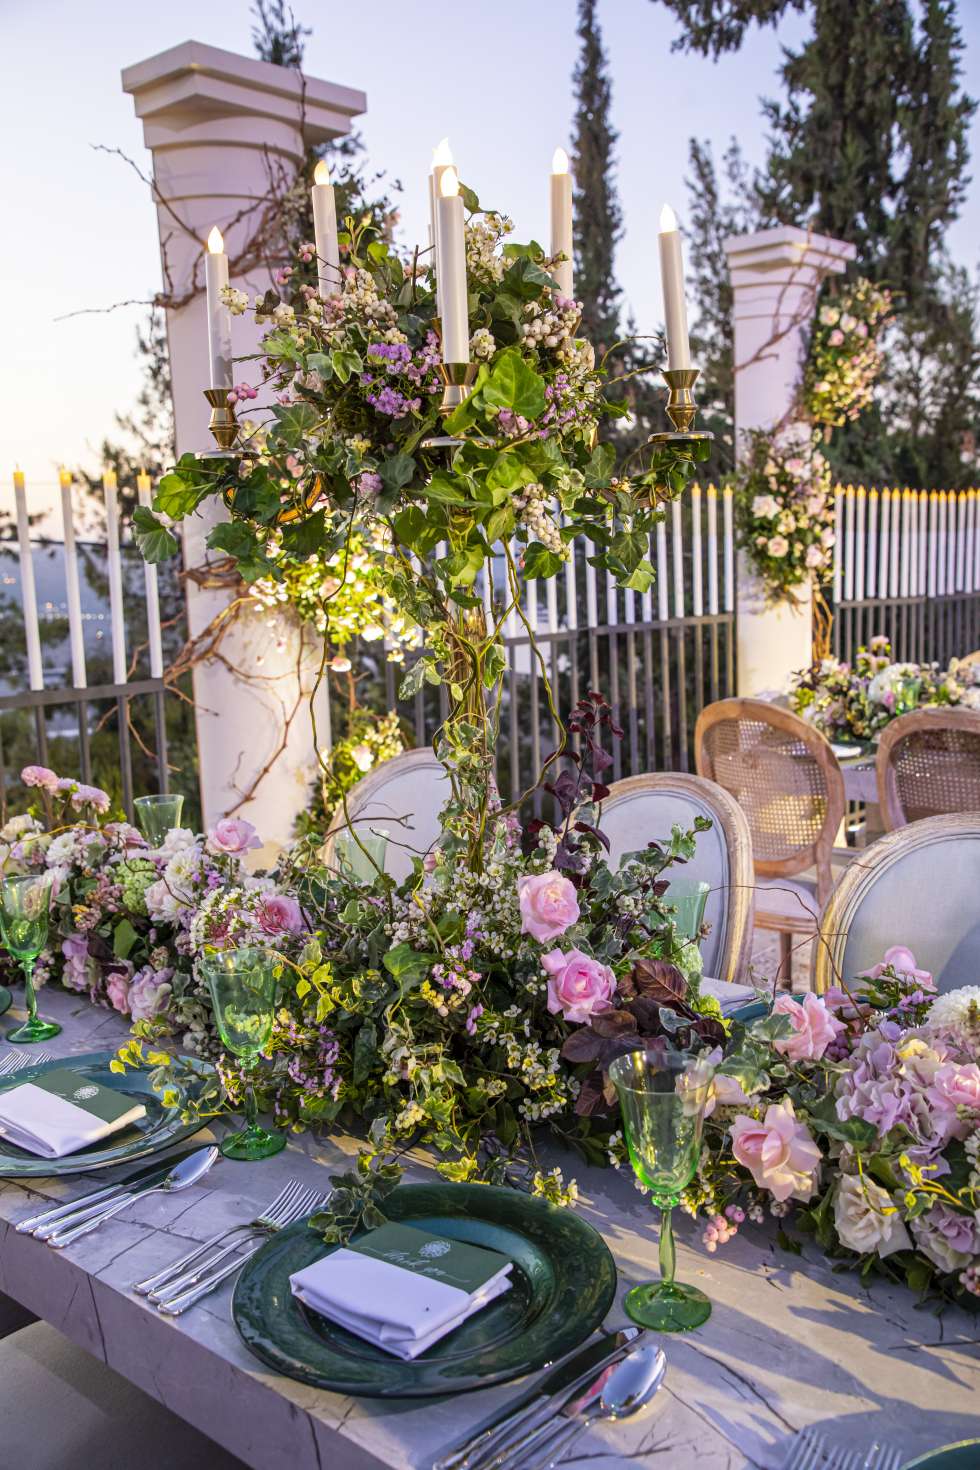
(788, 1343)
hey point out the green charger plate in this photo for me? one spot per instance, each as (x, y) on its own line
(160, 1128)
(564, 1282)
(6, 999)
(962, 1456)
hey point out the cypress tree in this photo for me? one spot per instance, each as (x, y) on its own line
(598, 220)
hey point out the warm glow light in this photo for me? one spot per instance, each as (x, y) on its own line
(449, 184)
(442, 153)
(215, 242)
(668, 220)
(321, 174)
(64, 478)
(108, 479)
(559, 164)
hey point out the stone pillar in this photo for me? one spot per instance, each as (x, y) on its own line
(222, 130)
(776, 275)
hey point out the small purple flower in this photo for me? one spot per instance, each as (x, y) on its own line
(474, 1015)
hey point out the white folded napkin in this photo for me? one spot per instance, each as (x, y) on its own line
(843, 752)
(62, 1111)
(728, 995)
(401, 1288)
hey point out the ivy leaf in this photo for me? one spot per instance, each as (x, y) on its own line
(446, 488)
(416, 529)
(513, 384)
(500, 524)
(598, 471)
(642, 578)
(155, 542)
(294, 421)
(303, 538)
(365, 1051)
(508, 473)
(397, 471)
(345, 364)
(124, 936)
(540, 562)
(178, 495)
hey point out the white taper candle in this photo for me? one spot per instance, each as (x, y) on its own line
(76, 636)
(442, 159)
(672, 282)
(325, 232)
(452, 266)
(561, 221)
(219, 317)
(28, 596)
(153, 636)
(114, 566)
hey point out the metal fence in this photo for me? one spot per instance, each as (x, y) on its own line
(907, 564)
(70, 716)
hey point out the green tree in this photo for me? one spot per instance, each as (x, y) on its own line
(598, 218)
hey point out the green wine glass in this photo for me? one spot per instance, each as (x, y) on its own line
(24, 907)
(242, 983)
(688, 897)
(662, 1095)
(157, 815)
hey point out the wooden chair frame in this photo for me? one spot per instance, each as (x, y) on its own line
(368, 787)
(937, 718)
(738, 839)
(862, 875)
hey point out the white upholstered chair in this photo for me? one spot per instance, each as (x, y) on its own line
(642, 809)
(403, 798)
(918, 886)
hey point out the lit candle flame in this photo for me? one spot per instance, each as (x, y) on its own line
(559, 164)
(442, 154)
(108, 479)
(321, 174)
(216, 243)
(668, 220)
(449, 184)
(64, 478)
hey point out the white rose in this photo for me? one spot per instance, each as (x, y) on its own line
(160, 902)
(178, 839)
(61, 850)
(764, 507)
(777, 546)
(861, 1221)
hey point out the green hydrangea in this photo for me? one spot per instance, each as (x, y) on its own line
(134, 875)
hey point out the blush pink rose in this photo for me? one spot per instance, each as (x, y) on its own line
(149, 994)
(578, 986)
(117, 989)
(955, 1085)
(279, 914)
(902, 961)
(549, 905)
(39, 776)
(814, 1027)
(779, 1152)
(232, 837)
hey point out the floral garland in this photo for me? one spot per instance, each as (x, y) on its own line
(784, 511)
(860, 1111)
(845, 356)
(856, 702)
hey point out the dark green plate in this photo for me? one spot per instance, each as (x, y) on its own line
(6, 999)
(962, 1456)
(564, 1282)
(157, 1131)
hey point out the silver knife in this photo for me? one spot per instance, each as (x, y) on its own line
(182, 1176)
(142, 1178)
(537, 1405)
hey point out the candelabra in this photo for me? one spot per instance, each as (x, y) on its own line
(223, 425)
(681, 409)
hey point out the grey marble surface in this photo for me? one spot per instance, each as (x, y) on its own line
(789, 1342)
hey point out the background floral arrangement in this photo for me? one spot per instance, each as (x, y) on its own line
(844, 356)
(855, 702)
(785, 511)
(860, 1113)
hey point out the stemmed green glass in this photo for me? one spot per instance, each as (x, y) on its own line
(688, 896)
(662, 1095)
(242, 983)
(157, 815)
(24, 908)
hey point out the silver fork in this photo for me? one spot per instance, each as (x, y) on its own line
(307, 1204)
(879, 1457)
(14, 1060)
(810, 1450)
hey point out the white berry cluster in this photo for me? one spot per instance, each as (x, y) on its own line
(483, 259)
(235, 300)
(482, 344)
(532, 504)
(552, 326)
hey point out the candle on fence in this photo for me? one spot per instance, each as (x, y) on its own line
(73, 596)
(144, 490)
(672, 282)
(219, 317)
(561, 221)
(28, 597)
(727, 520)
(442, 159)
(697, 591)
(325, 231)
(452, 266)
(114, 566)
(711, 495)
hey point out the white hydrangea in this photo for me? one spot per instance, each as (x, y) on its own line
(953, 1009)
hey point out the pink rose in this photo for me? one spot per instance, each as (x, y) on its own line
(578, 986)
(955, 1085)
(149, 993)
(75, 975)
(278, 914)
(779, 1153)
(549, 905)
(836, 337)
(814, 1027)
(902, 961)
(232, 836)
(117, 989)
(39, 776)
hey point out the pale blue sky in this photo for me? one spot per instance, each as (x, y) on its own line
(79, 230)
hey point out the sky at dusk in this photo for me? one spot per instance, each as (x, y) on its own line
(79, 231)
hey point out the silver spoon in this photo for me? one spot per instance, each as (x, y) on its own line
(184, 1174)
(630, 1387)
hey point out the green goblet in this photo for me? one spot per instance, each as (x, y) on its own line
(242, 983)
(662, 1095)
(688, 897)
(24, 907)
(157, 815)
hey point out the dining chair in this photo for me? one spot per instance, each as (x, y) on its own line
(928, 763)
(643, 809)
(785, 777)
(916, 886)
(401, 799)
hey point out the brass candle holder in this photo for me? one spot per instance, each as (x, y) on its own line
(458, 378)
(681, 408)
(223, 425)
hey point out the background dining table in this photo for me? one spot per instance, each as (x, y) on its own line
(790, 1341)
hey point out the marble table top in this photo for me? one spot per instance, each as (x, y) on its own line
(789, 1342)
